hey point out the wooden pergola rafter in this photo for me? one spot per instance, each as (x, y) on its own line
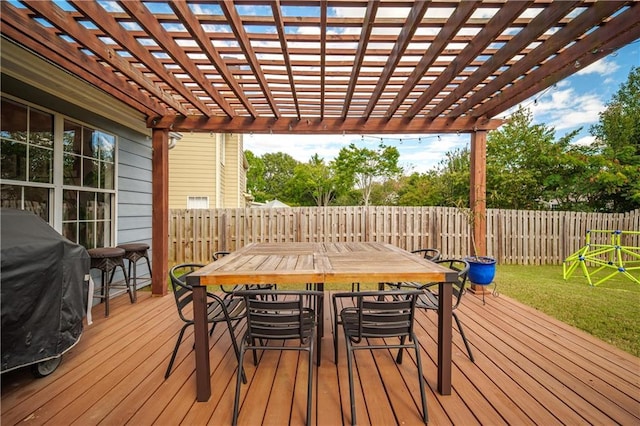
(341, 65)
(320, 66)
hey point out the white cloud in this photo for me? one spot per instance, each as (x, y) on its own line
(586, 140)
(565, 109)
(605, 66)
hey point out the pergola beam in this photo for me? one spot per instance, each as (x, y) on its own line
(456, 20)
(279, 21)
(140, 14)
(538, 25)
(589, 49)
(325, 126)
(367, 27)
(104, 52)
(190, 22)
(82, 65)
(111, 27)
(234, 20)
(540, 54)
(496, 25)
(406, 34)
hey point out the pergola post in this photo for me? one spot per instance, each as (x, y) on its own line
(160, 211)
(478, 197)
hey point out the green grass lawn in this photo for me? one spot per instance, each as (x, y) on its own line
(609, 311)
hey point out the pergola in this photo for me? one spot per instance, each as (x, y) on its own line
(319, 67)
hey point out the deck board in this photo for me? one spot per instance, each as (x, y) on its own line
(530, 369)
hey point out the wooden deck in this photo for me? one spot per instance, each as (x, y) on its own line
(529, 369)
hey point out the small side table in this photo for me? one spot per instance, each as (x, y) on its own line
(134, 252)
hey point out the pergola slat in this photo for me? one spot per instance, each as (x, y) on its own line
(242, 38)
(499, 22)
(16, 26)
(624, 28)
(139, 12)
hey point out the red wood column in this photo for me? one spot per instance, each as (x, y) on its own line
(478, 195)
(160, 219)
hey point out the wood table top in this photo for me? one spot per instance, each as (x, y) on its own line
(298, 263)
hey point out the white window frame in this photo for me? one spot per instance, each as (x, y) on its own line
(197, 202)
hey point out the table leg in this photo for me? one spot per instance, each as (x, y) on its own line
(201, 335)
(444, 338)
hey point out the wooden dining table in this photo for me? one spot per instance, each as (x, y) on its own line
(319, 263)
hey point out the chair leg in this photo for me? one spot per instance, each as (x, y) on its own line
(352, 396)
(105, 290)
(148, 265)
(235, 348)
(236, 399)
(423, 397)
(464, 338)
(310, 382)
(399, 357)
(134, 286)
(175, 351)
(127, 282)
(255, 352)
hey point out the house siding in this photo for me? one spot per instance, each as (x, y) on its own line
(207, 165)
(192, 169)
(233, 169)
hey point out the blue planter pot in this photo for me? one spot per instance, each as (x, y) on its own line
(482, 269)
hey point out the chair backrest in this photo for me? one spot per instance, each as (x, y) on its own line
(182, 292)
(287, 316)
(218, 254)
(428, 253)
(381, 313)
(462, 268)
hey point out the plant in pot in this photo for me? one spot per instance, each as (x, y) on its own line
(482, 269)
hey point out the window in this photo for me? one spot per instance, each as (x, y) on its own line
(197, 202)
(29, 198)
(89, 162)
(88, 172)
(26, 139)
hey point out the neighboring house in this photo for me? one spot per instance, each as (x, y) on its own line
(73, 155)
(208, 170)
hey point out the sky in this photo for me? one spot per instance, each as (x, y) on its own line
(572, 103)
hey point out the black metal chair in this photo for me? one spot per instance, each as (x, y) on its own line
(428, 253)
(229, 309)
(430, 300)
(379, 316)
(286, 315)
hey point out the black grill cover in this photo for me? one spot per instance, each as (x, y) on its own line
(43, 290)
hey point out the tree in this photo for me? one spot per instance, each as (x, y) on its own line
(278, 175)
(618, 139)
(315, 181)
(452, 180)
(420, 189)
(255, 177)
(361, 167)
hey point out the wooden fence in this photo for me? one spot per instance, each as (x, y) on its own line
(513, 236)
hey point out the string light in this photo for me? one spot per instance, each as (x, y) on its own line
(401, 140)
